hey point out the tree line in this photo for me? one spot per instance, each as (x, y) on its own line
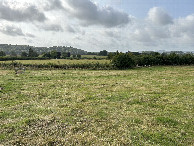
(119, 60)
(33, 55)
(18, 49)
(130, 60)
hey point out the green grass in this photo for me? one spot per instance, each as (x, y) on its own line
(144, 106)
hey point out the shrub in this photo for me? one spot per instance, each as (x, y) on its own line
(123, 61)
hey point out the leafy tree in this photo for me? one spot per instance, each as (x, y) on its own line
(68, 54)
(79, 56)
(111, 55)
(24, 54)
(92, 53)
(187, 59)
(2, 53)
(55, 54)
(103, 53)
(65, 54)
(123, 61)
(58, 55)
(47, 55)
(32, 53)
(13, 54)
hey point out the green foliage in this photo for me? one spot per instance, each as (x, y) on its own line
(21, 58)
(79, 56)
(24, 54)
(55, 54)
(2, 53)
(32, 53)
(47, 55)
(25, 48)
(123, 61)
(103, 53)
(65, 55)
(151, 59)
(111, 55)
(13, 54)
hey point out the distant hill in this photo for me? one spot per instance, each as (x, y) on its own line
(18, 49)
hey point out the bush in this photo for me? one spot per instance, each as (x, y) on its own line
(123, 61)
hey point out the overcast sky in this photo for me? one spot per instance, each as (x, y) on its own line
(94, 25)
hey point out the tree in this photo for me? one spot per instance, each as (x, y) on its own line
(58, 55)
(123, 61)
(65, 54)
(79, 56)
(55, 54)
(13, 54)
(32, 53)
(68, 54)
(111, 55)
(2, 53)
(103, 53)
(24, 54)
(47, 55)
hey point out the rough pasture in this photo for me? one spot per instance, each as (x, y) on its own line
(145, 106)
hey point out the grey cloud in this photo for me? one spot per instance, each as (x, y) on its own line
(54, 5)
(30, 13)
(52, 27)
(150, 35)
(74, 29)
(112, 34)
(30, 35)
(158, 33)
(141, 35)
(159, 16)
(70, 29)
(12, 31)
(90, 14)
(15, 31)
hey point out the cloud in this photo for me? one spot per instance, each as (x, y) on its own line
(12, 31)
(183, 26)
(30, 35)
(75, 30)
(70, 29)
(51, 27)
(91, 14)
(182, 32)
(30, 13)
(112, 33)
(141, 35)
(159, 16)
(54, 5)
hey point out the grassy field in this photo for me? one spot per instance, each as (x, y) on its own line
(145, 106)
(58, 61)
